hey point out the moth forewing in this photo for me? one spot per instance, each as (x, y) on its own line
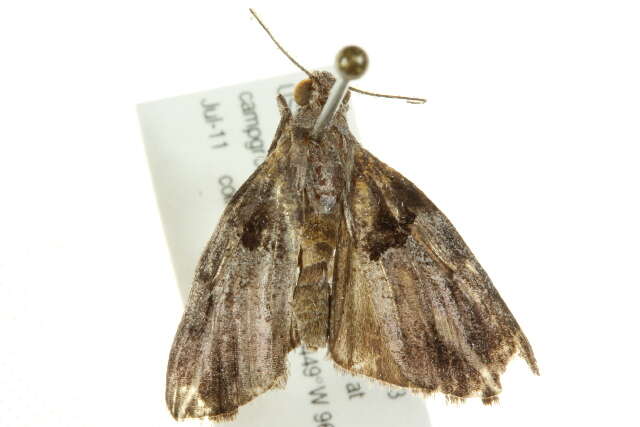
(236, 332)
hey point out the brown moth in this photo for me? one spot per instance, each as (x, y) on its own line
(327, 246)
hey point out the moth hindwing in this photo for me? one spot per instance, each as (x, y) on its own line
(325, 245)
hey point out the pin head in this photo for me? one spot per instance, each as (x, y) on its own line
(352, 62)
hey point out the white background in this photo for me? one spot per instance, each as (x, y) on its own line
(528, 143)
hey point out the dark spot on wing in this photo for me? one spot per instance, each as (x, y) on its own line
(405, 198)
(253, 229)
(407, 217)
(387, 231)
(407, 194)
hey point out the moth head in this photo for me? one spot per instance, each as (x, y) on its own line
(302, 92)
(323, 101)
(314, 91)
(351, 64)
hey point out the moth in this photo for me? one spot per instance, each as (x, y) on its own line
(326, 246)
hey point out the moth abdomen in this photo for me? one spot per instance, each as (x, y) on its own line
(312, 290)
(311, 305)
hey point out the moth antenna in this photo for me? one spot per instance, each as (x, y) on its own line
(255, 15)
(409, 99)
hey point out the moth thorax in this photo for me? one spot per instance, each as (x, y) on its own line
(302, 92)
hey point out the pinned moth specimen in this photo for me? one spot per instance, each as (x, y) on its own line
(327, 246)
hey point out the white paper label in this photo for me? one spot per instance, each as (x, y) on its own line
(201, 148)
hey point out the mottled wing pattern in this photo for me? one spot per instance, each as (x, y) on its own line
(233, 340)
(411, 305)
